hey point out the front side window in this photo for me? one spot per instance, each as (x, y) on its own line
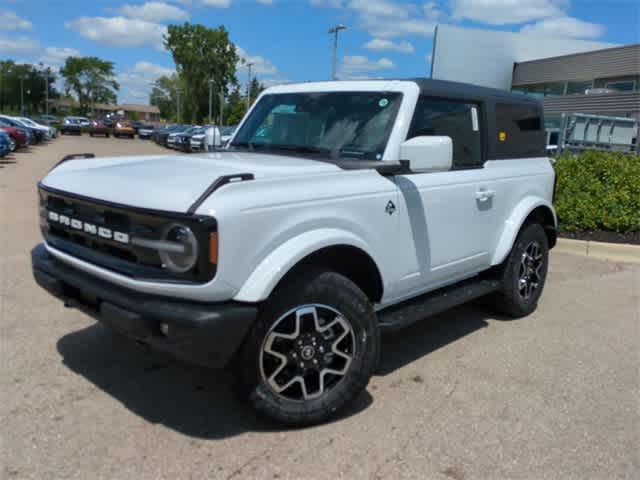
(337, 125)
(457, 120)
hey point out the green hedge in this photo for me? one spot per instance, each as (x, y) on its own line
(598, 191)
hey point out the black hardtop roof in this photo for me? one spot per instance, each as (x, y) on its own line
(448, 89)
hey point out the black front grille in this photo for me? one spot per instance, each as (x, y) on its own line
(68, 221)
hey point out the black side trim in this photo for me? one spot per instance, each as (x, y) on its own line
(220, 182)
(399, 316)
(73, 156)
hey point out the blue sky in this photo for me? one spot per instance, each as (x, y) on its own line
(287, 39)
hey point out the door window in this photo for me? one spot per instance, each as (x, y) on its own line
(457, 120)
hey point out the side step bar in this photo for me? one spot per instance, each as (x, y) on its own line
(399, 316)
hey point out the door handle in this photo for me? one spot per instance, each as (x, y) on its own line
(483, 195)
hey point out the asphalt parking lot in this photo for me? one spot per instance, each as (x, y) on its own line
(464, 395)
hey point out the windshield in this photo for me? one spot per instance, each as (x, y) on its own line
(338, 125)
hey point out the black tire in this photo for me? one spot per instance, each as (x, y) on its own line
(515, 298)
(91, 134)
(328, 293)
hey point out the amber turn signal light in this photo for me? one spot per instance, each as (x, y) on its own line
(213, 248)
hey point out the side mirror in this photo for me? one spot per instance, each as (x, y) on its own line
(428, 154)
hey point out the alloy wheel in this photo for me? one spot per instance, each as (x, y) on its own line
(307, 352)
(529, 275)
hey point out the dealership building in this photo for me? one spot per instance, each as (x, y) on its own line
(569, 76)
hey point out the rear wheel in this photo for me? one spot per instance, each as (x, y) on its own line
(312, 350)
(12, 145)
(524, 272)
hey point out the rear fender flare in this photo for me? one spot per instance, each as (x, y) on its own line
(513, 224)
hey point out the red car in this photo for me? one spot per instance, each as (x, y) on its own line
(98, 127)
(18, 136)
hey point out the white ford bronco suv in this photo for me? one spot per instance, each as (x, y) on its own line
(338, 210)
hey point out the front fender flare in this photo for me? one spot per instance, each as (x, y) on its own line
(281, 260)
(513, 224)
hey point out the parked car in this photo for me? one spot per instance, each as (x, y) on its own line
(183, 140)
(5, 144)
(83, 121)
(145, 131)
(137, 124)
(50, 132)
(50, 120)
(338, 211)
(173, 138)
(197, 142)
(20, 137)
(99, 128)
(123, 128)
(71, 126)
(37, 135)
(162, 135)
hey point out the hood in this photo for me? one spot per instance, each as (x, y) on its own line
(170, 182)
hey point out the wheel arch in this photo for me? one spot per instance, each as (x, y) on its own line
(339, 251)
(530, 209)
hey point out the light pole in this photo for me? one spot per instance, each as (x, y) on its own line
(221, 106)
(210, 97)
(249, 65)
(178, 105)
(21, 95)
(334, 31)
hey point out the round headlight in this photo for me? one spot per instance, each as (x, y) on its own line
(184, 256)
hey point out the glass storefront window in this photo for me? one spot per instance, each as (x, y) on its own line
(578, 88)
(622, 86)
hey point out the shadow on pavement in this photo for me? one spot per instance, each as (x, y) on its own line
(201, 402)
(191, 400)
(415, 341)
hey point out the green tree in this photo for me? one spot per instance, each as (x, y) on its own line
(26, 82)
(255, 89)
(236, 107)
(164, 95)
(91, 79)
(201, 54)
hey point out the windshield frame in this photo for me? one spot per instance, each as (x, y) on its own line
(374, 87)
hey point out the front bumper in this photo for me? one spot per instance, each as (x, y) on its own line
(200, 333)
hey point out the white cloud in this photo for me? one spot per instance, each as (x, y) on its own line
(266, 2)
(119, 31)
(136, 82)
(55, 56)
(388, 18)
(154, 12)
(10, 21)
(356, 65)
(502, 12)
(18, 46)
(428, 57)
(382, 44)
(565, 27)
(261, 65)
(217, 3)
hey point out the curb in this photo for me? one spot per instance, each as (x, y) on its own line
(617, 252)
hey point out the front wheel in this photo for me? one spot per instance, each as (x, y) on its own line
(313, 349)
(524, 272)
